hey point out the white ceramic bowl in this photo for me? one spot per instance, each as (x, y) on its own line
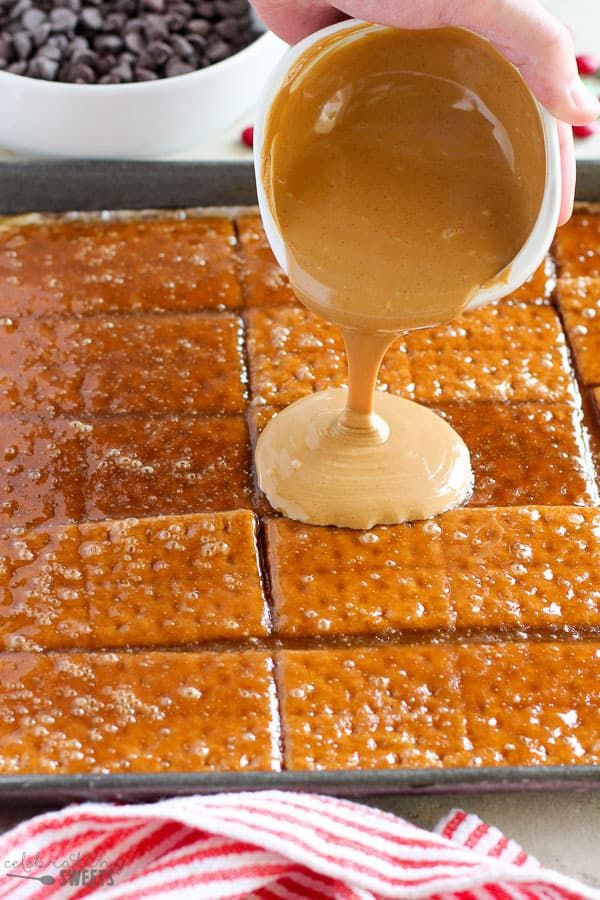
(142, 119)
(525, 262)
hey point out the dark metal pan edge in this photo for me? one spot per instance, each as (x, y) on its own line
(58, 186)
(61, 186)
(129, 786)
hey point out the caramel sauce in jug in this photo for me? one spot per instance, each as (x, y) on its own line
(404, 171)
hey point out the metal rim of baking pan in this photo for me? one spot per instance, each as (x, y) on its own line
(62, 186)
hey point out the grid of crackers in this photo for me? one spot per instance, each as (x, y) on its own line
(157, 615)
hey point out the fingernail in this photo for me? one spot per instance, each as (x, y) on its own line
(583, 99)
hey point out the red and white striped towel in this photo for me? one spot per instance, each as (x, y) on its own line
(271, 845)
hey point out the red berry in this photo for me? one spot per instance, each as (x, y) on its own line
(586, 131)
(248, 136)
(588, 64)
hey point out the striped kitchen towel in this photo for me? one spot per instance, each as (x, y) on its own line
(271, 845)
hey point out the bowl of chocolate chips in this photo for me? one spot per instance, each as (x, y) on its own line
(127, 78)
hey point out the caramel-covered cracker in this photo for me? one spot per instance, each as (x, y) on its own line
(149, 582)
(137, 712)
(425, 706)
(258, 416)
(40, 366)
(371, 708)
(579, 301)
(264, 283)
(44, 603)
(292, 353)
(512, 351)
(532, 703)
(538, 288)
(93, 266)
(591, 422)
(332, 581)
(524, 453)
(143, 364)
(591, 406)
(577, 245)
(180, 464)
(41, 471)
(163, 364)
(523, 567)
(173, 580)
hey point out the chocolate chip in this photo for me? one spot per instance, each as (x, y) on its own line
(182, 7)
(58, 40)
(50, 52)
(63, 19)
(91, 18)
(223, 7)
(84, 58)
(227, 28)
(217, 51)
(115, 22)
(159, 52)
(40, 67)
(157, 32)
(5, 48)
(182, 47)
(199, 26)
(103, 65)
(206, 9)
(176, 20)
(33, 18)
(20, 7)
(109, 43)
(123, 72)
(177, 67)
(22, 45)
(153, 20)
(134, 42)
(17, 68)
(144, 60)
(41, 34)
(81, 74)
(136, 25)
(79, 43)
(197, 42)
(142, 74)
(157, 6)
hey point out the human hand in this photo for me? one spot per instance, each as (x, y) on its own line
(523, 30)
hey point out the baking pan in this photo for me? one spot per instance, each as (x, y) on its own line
(82, 185)
(88, 185)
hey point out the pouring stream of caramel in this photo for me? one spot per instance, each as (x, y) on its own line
(404, 170)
